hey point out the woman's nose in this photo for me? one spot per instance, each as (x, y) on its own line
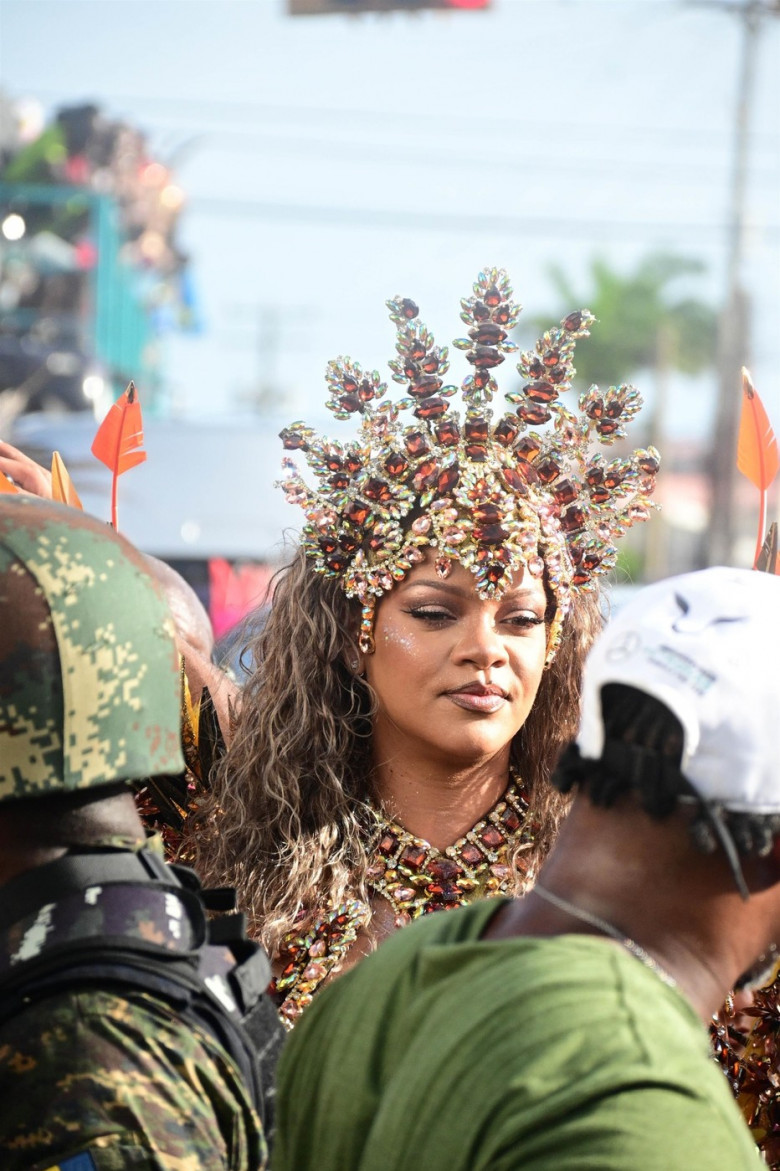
(480, 642)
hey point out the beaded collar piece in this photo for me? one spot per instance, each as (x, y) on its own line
(497, 496)
(416, 879)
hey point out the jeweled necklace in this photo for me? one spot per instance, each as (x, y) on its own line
(609, 929)
(416, 879)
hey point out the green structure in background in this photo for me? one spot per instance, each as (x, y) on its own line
(111, 322)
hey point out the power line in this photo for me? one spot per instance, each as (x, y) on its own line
(451, 222)
(488, 124)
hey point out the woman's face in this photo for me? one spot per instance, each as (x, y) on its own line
(454, 676)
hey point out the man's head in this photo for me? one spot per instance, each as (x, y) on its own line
(681, 696)
(89, 682)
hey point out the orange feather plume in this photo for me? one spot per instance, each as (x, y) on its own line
(119, 440)
(61, 484)
(757, 454)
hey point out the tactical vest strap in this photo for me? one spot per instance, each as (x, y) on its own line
(127, 922)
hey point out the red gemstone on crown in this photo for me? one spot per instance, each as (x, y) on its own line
(502, 313)
(485, 357)
(476, 452)
(573, 321)
(426, 474)
(490, 534)
(339, 481)
(448, 433)
(395, 464)
(488, 333)
(387, 844)
(426, 385)
(534, 413)
(494, 573)
(548, 470)
(348, 542)
(505, 432)
(366, 391)
(291, 441)
(378, 491)
(336, 563)
(448, 480)
(350, 402)
(476, 430)
(492, 297)
(540, 391)
(357, 512)
(481, 311)
(487, 512)
(564, 492)
(471, 854)
(573, 519)
(416, 443)
(328, 544)
(432, 408)
(352, 464)
(528, 448)
(514, 478)
(334, 463)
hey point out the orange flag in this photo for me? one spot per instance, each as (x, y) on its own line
(757, 454)
(119, 440)
(7, 485)
(61, 484)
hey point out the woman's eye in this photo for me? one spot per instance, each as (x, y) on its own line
(524, 620)
(429, 613)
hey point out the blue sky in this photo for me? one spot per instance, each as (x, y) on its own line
(332, 162)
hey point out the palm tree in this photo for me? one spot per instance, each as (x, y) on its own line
(645, 322)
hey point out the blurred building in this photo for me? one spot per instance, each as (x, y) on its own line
(91, 276)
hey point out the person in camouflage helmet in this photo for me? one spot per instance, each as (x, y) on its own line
(96, 1075)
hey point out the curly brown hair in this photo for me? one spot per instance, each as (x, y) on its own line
(285, 819)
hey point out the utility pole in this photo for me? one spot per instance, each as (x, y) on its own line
(734, 324)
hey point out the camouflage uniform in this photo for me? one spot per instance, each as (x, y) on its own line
(104, 1077)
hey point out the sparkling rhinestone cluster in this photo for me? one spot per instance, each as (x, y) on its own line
(495, 496)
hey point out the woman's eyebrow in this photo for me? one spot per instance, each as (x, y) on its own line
(522, 593)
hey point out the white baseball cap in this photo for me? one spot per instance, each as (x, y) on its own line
(707, 645)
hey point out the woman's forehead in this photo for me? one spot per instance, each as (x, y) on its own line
(461, 581)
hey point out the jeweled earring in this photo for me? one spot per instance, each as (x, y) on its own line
(366, 635)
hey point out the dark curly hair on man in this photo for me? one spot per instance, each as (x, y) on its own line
(642, 754)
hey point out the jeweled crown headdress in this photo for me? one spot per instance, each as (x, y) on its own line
(497, 497)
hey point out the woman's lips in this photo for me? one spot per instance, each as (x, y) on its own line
(478, 699)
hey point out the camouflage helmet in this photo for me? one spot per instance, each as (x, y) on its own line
(89, 679)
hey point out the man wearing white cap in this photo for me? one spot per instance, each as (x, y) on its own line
(567, 1030)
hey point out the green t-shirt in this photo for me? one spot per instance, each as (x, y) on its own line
(444, 1052)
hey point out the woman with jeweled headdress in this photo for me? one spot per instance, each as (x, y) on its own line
(419, 669)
